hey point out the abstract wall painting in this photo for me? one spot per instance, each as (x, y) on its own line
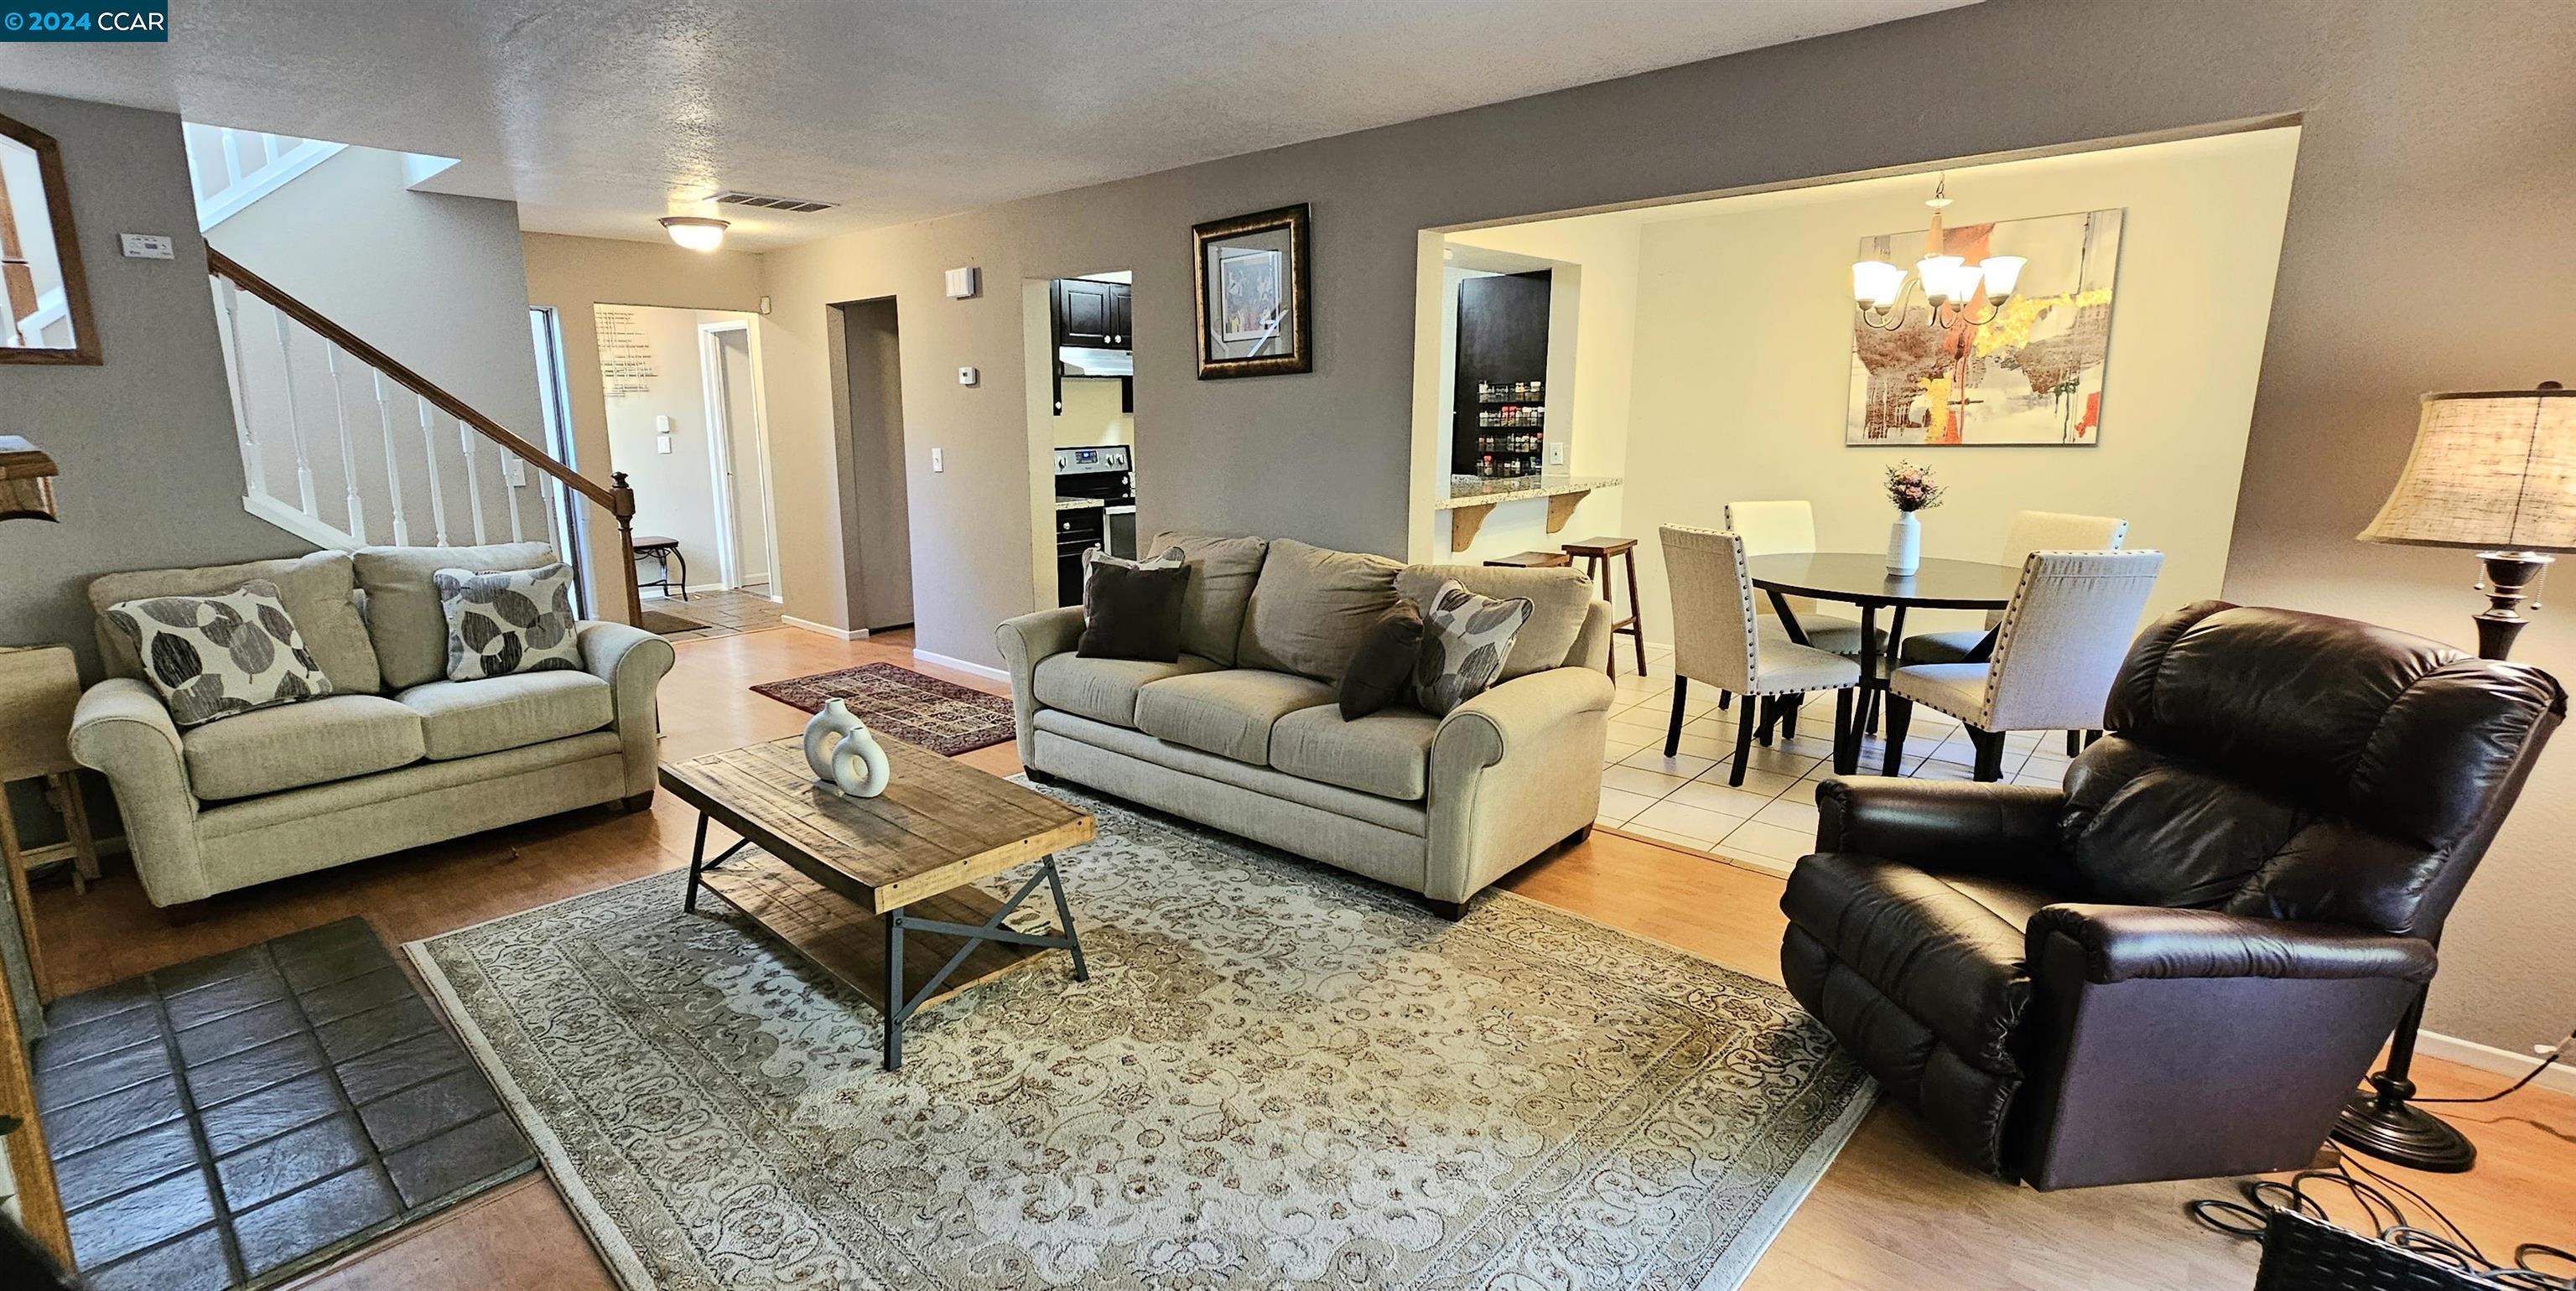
(2030, 374)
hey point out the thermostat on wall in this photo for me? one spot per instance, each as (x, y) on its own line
(147, 246)
(964, 283)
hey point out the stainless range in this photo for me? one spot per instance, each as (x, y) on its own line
(1095, 500)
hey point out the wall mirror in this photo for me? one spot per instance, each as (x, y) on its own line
(44, 298)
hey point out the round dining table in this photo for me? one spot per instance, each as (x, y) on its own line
(1861, 579)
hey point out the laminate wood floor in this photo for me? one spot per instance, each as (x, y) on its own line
(1893, 1212)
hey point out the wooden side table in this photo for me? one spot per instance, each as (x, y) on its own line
(39, 686)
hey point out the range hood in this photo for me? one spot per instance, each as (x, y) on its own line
(1080, 361)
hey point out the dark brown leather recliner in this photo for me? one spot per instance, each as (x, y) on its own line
(2179, 964)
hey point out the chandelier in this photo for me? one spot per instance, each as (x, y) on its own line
(1950, 285)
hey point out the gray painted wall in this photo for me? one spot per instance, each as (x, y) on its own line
(151, 476)
(2427, 248)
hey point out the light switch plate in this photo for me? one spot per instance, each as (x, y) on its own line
(938, 459)
(969, 376)
(514, 472)
(147, 246)
(1556, 454)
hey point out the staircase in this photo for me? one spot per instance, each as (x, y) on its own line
(344, 447)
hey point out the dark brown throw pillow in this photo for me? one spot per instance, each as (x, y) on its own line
(1381, 670)
(1132, 613)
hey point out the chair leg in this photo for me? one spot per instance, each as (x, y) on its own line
(1725, 699)
(1789, 715)
(1769, 708)
(1846, 734)
(1673, 734)
(1900, 710)
(1743, 747)
(1990, 753)
(2091, 737)
(2074, 743)
(1636, 614)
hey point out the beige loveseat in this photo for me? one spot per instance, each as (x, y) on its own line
(396, 756)
(1244, 732)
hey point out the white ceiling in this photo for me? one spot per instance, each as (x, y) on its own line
(602, 115)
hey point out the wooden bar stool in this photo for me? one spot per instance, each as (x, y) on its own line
(1597, 553)
(1533, 560)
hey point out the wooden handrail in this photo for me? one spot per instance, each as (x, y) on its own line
(618, 501)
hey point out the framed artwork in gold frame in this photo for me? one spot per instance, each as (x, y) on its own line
(1250, 288)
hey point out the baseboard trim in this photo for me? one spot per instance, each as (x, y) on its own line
(2486, 1057)
(961, 665)
(838, 634)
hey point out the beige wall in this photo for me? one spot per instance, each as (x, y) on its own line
(1744, 360)
(2432, 167)
(569, 275)
(1091, 415)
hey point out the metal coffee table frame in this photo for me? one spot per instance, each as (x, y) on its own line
(899, 1008)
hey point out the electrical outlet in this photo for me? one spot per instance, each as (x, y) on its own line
(514, 472)
(938, 460)
(969, 377)
(1556, 454)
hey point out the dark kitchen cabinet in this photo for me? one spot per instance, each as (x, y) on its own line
(1093, 315)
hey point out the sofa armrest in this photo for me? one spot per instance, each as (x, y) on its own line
(1485, 730)
(1514, 771)
(1944, 826)
(633, 662)
(1025, 642)
(2121, 943)
(121, 730)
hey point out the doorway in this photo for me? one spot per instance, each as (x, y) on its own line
(876, 516)
(682, 394)
(1082, 426)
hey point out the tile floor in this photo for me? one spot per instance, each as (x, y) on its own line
(724, 613)
(1769, 821)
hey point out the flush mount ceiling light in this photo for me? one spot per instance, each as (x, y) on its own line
(696, 232)
(1950, 284)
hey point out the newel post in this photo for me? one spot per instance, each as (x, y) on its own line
(622, 504)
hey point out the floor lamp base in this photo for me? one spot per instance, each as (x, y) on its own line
(2402, 1134)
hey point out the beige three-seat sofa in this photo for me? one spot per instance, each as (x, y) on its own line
(396, 756)
(1244, 732)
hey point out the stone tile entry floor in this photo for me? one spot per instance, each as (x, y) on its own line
(239, 1119)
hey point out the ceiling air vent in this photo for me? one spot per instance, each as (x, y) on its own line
(792, 205)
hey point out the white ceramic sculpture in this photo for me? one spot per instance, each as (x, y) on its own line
(855, 765)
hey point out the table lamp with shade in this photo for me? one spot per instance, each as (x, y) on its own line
(2494, 472)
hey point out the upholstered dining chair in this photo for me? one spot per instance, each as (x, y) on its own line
(2031, 531)
(2061, 641)
(1770, 528)
(1718, 639)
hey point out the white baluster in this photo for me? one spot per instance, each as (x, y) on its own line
(267, 149)
(473, 487)
(429, 449)
(294, 425)
(510, 495)
(393, 472)
(348, 450)
(253, 474)
(232, 155)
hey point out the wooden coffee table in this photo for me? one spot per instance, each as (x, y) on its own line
(855, 876)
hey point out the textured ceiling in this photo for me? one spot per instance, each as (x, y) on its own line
(600, 116)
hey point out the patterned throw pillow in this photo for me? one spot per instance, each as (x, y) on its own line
(215, 656)
(510, 622)
(1465, 638)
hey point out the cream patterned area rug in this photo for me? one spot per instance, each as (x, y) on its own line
(1277, 1077)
